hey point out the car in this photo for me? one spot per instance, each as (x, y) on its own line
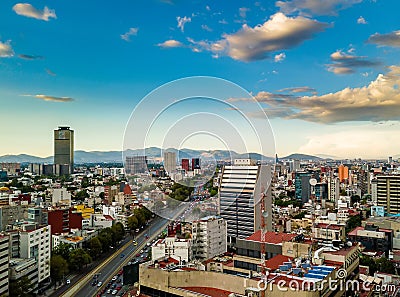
(141, 251)
(114, 292)
(115, 277)
(148, 244)
(135, 243)
(94, 283)
(68, 281)
(137, 255)
(99, 284)
(108, 291)
(119, 280)
(121, 271)
(122, 255)
(113, 286)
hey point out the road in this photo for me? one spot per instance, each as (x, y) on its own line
(114, 263)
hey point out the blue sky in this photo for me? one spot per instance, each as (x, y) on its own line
(325, 72)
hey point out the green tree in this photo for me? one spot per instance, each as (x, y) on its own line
(385, 265)
(353, 222)
(21, 288)
(58, 268)
(140, 216)
(101, 195)
(106, 238)
(79, 258)
(63, 249)
(119, 231)
(133, 223)
(95, 247)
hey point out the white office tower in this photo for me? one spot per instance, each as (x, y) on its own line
(240, 196)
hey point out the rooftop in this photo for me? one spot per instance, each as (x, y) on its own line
(271, 237)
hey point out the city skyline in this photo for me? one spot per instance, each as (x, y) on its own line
(325, 73)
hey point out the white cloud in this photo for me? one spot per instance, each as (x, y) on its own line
(131, 32)
(315, 7)
(389, 39)
(182, 21)
(243, 11)
(170, 43)
(343, 63)
(208, 8)
(355, 141)
(378, 101)
(29, 11)
(206, 28)
(361, 21)
(6, 49)
(278, 33)
(51, 98)
(280, 57)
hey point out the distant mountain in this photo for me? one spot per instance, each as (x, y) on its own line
(24, 158)
(116, 156)
(302, 157)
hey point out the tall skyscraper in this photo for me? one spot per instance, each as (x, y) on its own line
(195, 163)
(64, 147)
(185, 164)
(136, 164)
(302, 186)
(170, 162)
(343, 173)
(240, 198)
(388, 193)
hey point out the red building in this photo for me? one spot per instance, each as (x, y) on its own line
(185, 164)
(59, 220)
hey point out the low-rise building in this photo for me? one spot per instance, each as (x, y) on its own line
(180, 249)
(209, 237)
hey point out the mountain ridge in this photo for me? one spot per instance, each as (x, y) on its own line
(82, 156)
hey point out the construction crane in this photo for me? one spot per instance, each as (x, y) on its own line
(264, 215)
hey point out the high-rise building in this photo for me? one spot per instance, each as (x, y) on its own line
(185, 164)
(4, 263)
(195, 163)
(170, 162)
(333, 189)
(64, 148)
(388, 193)
(240, 197)
(302, 186)
(209, 237)
(343, 173)
(136, 164)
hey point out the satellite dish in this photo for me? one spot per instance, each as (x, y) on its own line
(265, 214)
(313, 182)
(349, 244)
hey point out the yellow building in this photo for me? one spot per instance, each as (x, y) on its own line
(86, 211)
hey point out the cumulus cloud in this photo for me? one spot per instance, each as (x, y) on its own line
(278, 33)
(378, 101)
(131, 32)
(314, 7)
(361, 21)
(6, 49)
(280, 57)
(51, 98)
(182, 21)
(343, 63)
(170, 43)
(389, 39)
(29, 11)
(30, 57)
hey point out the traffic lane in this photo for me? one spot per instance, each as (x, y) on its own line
(109, 269)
